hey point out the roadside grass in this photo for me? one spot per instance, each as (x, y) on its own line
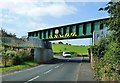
(25, 65)
(80, 50)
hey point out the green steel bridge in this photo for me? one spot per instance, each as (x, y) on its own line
(71, 31)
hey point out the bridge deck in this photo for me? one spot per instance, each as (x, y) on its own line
(78, 30)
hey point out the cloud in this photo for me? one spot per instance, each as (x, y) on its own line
(21, 16)
(34, 25)
(1, 19)
(38, 7)
(9, 18)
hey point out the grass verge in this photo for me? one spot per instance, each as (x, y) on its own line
(25, 65)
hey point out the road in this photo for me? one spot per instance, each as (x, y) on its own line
(59, 69)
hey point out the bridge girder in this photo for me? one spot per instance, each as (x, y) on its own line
(71, 31)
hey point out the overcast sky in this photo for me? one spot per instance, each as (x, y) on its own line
(22, 16)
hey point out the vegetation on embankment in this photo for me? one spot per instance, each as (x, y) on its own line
(10, 56)
(106, 53)
(13, 53)
(106, 62)
(77, 50)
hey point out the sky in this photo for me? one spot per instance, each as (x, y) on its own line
(22, 16)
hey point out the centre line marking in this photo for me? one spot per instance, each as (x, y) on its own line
(62, 63)
(48, 71)
(32, 79)
(57, 66)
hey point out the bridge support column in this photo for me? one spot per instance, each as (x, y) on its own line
(42, 50)
(42, 55)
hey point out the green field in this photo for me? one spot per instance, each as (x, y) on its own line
(81, 50)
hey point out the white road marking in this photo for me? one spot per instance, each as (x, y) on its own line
(32, 79)
(57, 66)
(77, 75)
(62, 64)
(48, 71)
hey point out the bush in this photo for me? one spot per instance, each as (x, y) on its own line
(100, 48)
(11, 53)
(12, 57)
(17, 60)
(7, 57)
(24, 54)
(107, 64)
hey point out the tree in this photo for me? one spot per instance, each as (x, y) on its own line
(53, 42)
(60, 42)
(66, 43)
(3, 33)
(113, 9)
(70, 44)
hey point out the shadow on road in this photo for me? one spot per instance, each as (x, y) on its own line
(68, 60)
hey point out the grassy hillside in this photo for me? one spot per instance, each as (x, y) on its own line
(82, 50)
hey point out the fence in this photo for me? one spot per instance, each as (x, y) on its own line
(97, 35)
